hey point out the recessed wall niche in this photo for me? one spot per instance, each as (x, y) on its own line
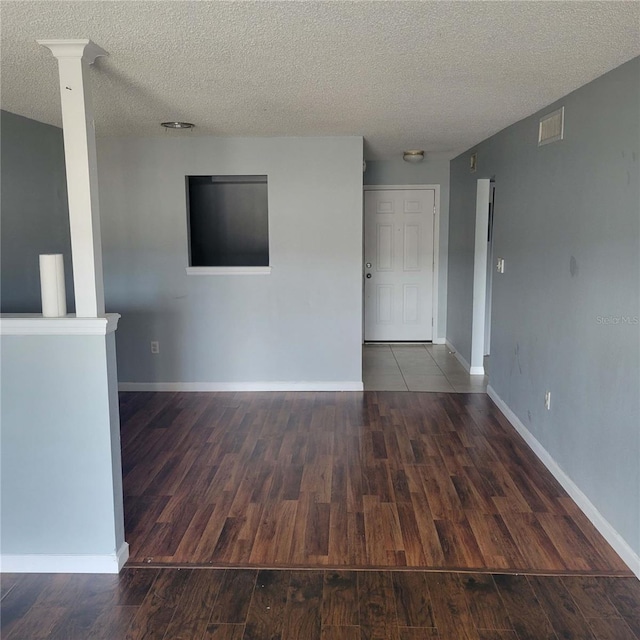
(228, 221)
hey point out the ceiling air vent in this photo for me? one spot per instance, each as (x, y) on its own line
(551, 127)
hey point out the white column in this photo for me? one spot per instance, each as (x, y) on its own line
(74, 57)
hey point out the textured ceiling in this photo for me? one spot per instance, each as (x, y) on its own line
(434, 75)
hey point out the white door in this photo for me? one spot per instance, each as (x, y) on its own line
(398, 257)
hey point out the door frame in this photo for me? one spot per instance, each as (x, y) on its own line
(480, 257)
(436, 245)
(489, 296)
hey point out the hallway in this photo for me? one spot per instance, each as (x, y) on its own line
(417, 367)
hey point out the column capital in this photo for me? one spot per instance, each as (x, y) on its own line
(83, 49)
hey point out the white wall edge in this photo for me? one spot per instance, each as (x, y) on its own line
(619, 544)
(43, 563)
(33, 324)
(483, 195)
(228, 271)
(241, 386)
(435, 291)
(459, 358)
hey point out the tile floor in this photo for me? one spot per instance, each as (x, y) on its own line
(416, 367)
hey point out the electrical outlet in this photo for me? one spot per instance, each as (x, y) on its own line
(547, 400)
(500, 265)
(155, 347)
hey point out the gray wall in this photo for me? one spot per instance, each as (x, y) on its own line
(567, 218)
(301, 323)
(61, 477)
(434, 169)
(35, 215)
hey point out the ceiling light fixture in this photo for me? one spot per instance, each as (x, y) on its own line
(413, 155)
(177, 125)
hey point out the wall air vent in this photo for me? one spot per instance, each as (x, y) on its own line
(551, 127)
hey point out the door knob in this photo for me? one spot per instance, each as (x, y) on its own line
(368, 275)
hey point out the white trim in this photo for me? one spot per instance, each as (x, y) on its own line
(34, 324)
(436, 262)
(439, 341)
(241, 386)
(399, 187)
(619, 544)
(436, 243)
(483, 195)
(122, 555)
(476, 371)
(228, 271)
(44, 563)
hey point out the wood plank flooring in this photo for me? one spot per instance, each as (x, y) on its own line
(240, 604)
(344, 480)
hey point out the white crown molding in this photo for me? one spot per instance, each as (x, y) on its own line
(619, 544)
(54, 563)
(33, 324)
(83, 48)
(242, 386)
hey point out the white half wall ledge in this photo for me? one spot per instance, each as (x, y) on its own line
(35, 324)
(619, 544)
(241, 386)
(44, 563)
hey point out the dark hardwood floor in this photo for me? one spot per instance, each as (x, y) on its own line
(344, 480)
(328, 516)
(252, 604)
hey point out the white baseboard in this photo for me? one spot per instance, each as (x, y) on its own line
(476, 371)
(619, 544)
(439, 341)
(241, 386)
(42, 563)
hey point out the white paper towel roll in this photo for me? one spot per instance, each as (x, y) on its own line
(54, 299)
